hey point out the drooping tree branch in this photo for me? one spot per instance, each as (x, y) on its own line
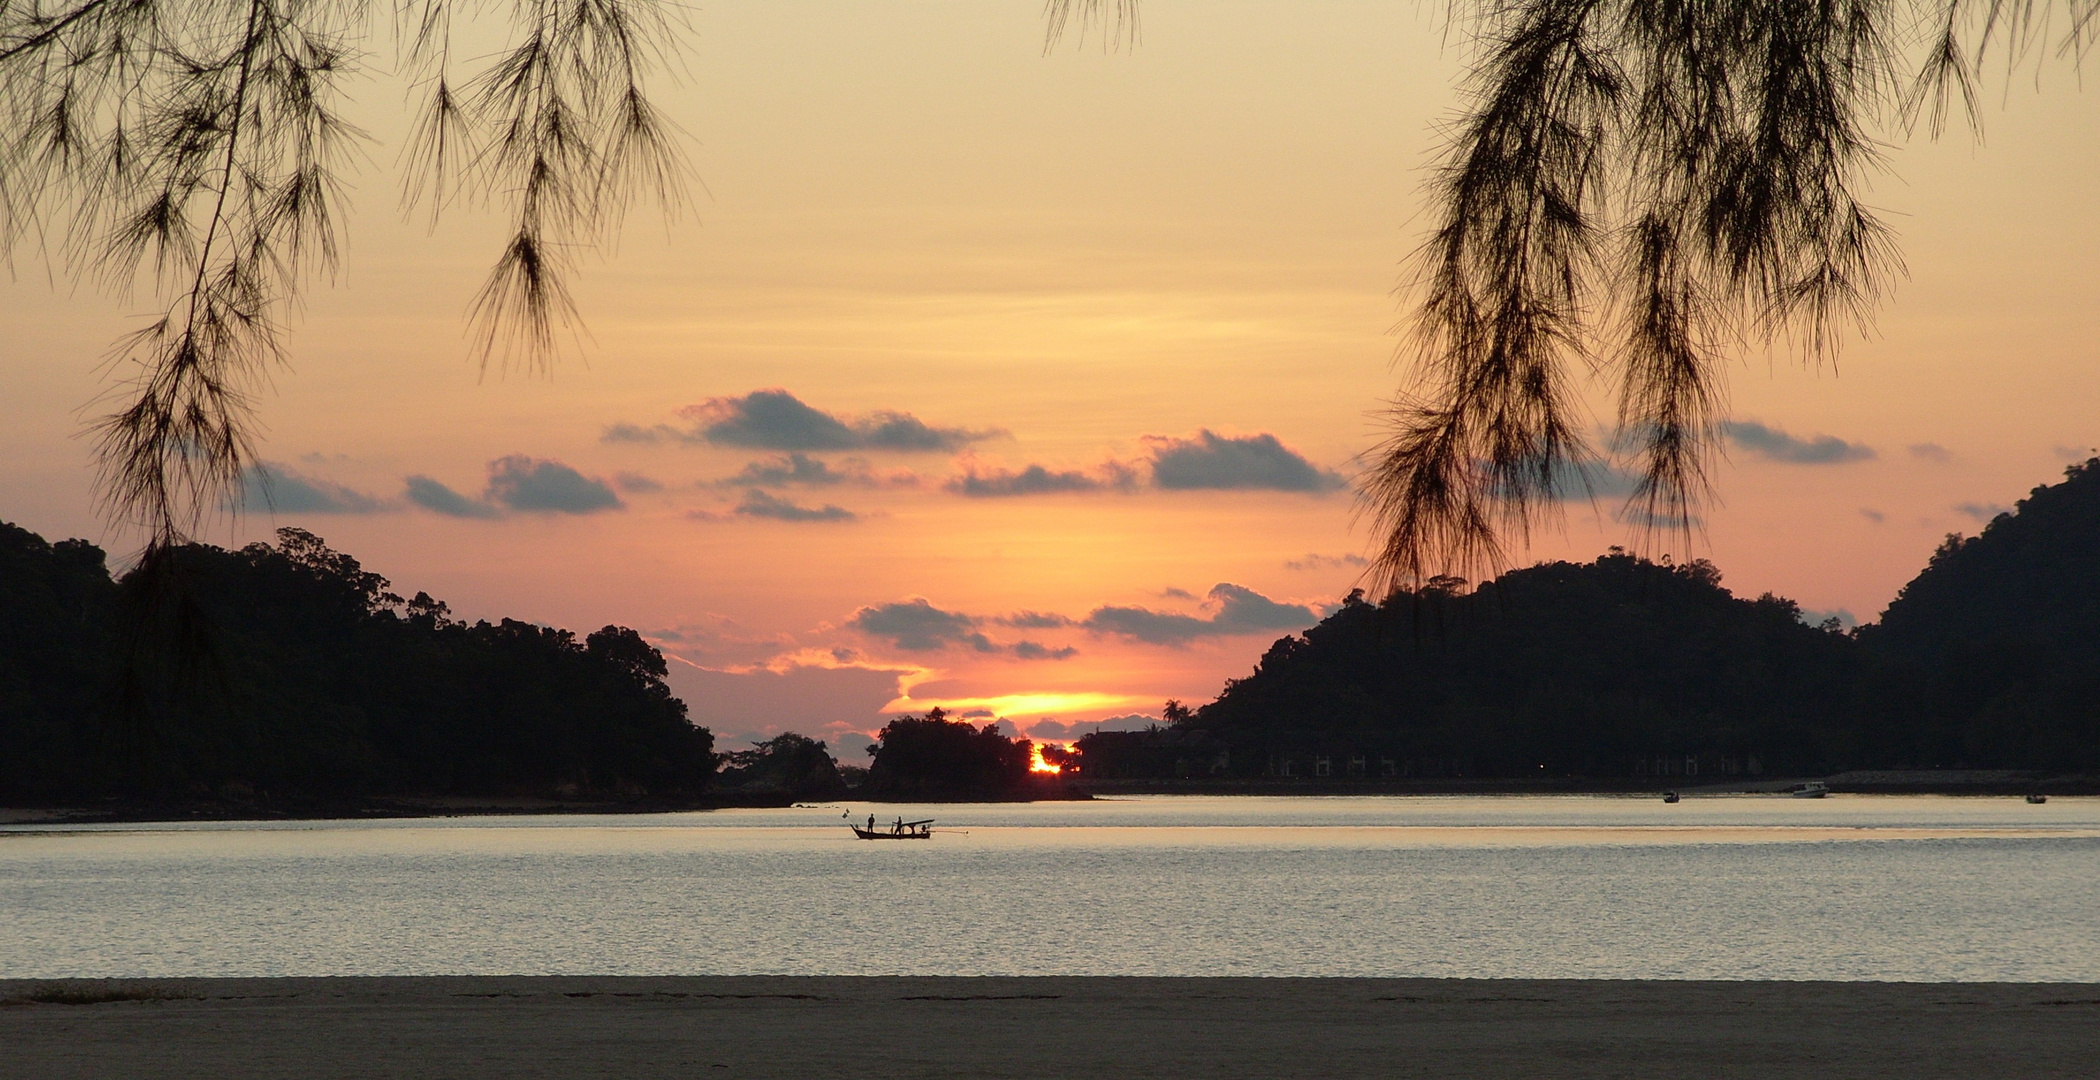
(199, 145)
(1641, 187)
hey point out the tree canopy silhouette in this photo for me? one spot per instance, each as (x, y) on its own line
(322, 684)
(934, 758)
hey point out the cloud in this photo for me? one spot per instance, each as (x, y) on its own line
(439, 499)
(1035, 620)
(1773, 444)
(1047, 728)
(1593, 479)
(2074, 453)
(272, 488)
(761, 505)
(636, 483)
(824, 701)
(1213, 462)
(1873, 515)
(1981, 511)
(915, 625)
(1033, 480)
(1030, 650)
(1126, 722)
(646, 436)
(1240, 610)
(775, 419)
(799, 469)
(538, 485)
(1328, 562)
(795, 468)
(1930, 451)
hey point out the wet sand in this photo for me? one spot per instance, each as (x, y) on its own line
(1158, 1029)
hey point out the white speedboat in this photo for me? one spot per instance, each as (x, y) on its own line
(1814, 789)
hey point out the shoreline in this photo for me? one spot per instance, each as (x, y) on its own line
(1978, 784)
(1164, 1029)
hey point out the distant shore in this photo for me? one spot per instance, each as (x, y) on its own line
(1982, 783)
(1163, 1029)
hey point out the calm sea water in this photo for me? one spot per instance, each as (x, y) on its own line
(1537, 887)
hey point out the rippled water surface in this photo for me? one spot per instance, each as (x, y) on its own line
(1913, 888)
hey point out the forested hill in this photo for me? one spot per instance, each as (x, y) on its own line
(289, 671)
(1598, 669)
(1991, 655)
(1990, 658)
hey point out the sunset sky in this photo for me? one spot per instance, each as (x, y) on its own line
(1032, 385)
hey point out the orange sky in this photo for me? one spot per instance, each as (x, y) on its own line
(1082, 261)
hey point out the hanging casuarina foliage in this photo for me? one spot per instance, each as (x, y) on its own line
(199, 145)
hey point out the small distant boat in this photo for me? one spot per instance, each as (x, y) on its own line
(899, 829)
(1814, 789)
(2037, 799)
(1671, 796)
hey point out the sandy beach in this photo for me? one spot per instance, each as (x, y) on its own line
(1162, 1029)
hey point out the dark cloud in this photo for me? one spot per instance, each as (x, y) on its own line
(798, 469)
(1929, 451)
(1240, 610)
(646, 436)
(1640, 517)
(1328, 562)
(1981, 511)
(1033, 480)
(769, 420)
(2074, 453)
(1873, 515)
(1175, 593)
(1030, 650)
(775, 419)
(1773, 444)
(439, 499)
(1593, 480)
(1035, 620)
(537, 485)
(1213, 462)
(273, 488)
(636, 483)
(915, 625)
(795, 468)
(759, 504)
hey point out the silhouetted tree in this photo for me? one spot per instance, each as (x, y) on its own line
(934, 758)
(323, 684)
(795, 764)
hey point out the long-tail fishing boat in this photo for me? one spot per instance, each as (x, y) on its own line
(899, 829)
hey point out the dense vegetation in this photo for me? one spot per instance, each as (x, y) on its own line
(289, 671)
(1991, 655)
(1624, 667)
(933, 758)
(790, 763)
